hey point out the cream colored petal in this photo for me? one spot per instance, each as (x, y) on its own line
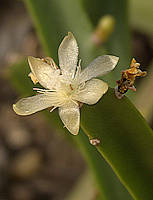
(30, 105)
(92, 92)
(70, 116)
(68, 55)
(98, 67)
(44, 72)
(33, 78)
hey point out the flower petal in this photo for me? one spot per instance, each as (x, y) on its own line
(68, 55)
(98, 67)
(70, 116)
(33, 78)
(46, 73)
(92, 92)
(30, 105)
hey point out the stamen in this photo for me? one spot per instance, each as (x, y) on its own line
(82, 85)
(78, 71)
(43, 90)
(71, 87)
(53, 109)
(74, 102)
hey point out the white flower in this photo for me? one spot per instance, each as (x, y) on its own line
(68, 86)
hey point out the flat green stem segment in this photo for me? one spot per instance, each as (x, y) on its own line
(126, 142)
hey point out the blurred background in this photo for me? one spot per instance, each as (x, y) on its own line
(36, 162)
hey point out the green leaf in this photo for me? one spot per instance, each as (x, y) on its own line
(141, 15)
(119, 42)
(105, 177)
(54, 19)
(145, 105)
(126, 142)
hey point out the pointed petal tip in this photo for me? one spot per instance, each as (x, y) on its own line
(74, 132)
(30, 59)
(17, 110)
(70, 34)
(105, 88)
(114, 59)
(14, 107)
(70, 116)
